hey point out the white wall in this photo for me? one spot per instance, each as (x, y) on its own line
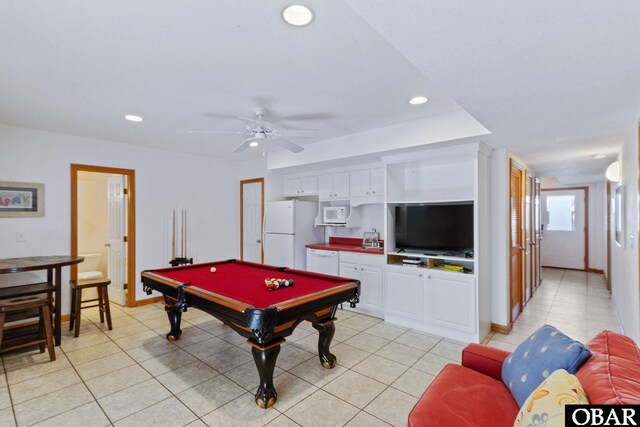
(500, 241)
(625, 289)
(597, 209)
(207, 187)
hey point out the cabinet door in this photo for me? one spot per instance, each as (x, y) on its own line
(341, 185)
(376, 182)
(325, 187)
(350, 271)
(450, 301)
(371, 284)
(292, 186)
(309, 185)
(359, 183)
(405, 294)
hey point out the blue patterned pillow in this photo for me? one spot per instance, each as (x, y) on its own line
(537, 357)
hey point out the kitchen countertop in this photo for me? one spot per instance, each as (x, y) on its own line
(347, 244)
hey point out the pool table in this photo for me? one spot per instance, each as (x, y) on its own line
(236, 294)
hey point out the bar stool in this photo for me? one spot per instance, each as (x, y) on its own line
(26, 303)
(101, 285)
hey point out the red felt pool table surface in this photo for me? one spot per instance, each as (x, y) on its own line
(244, 281)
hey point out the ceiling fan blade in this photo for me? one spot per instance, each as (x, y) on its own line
(245, 144)
(297, 133)
(218, 131)
(288, 145)
(311, 116)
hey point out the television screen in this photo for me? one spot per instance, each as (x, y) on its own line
(435, 227)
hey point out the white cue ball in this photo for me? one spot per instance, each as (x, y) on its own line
(213, 269)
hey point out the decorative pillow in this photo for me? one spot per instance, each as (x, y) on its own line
(545, 405)
(545, 351)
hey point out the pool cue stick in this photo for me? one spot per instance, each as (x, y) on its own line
(173, 237)
(182, 233)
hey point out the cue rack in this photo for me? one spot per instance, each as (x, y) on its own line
(182, 259)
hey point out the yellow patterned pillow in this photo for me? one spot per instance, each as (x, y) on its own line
(545, 405)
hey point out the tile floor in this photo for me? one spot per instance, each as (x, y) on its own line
(132, 376)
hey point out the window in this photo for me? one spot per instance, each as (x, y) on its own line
(561, 213)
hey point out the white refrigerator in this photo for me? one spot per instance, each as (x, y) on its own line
(289, 226)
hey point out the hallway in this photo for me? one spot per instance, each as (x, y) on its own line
(575, 302)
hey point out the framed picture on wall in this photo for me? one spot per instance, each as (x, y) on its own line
(21, 199)
(619, 216)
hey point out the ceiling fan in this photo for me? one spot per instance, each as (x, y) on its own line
(259, 130)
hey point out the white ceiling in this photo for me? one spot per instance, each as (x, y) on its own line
(553, 81)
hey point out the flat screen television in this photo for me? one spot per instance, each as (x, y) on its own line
(437, 227)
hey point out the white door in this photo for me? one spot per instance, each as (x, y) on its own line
(117, 248)
(252, 221)
(563, 220)
(278, 250)
(279, 217)
(371, 292)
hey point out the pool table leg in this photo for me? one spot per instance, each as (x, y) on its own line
(265, 359)
(175, 317)
(327, 330)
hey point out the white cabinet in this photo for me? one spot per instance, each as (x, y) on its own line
(368, 270)
(300, 186)
(405, 295)
(367, 182)
(450, 302)
(333, 186)
(438, 302)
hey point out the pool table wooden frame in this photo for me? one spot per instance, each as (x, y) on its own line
(264, 328)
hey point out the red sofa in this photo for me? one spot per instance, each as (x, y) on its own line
(474, 395)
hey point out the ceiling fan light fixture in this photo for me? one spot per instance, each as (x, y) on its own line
(133, 118)
(297, 15)
(253, 144)
(418, 100)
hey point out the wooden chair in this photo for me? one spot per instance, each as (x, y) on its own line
(102, 287)
(16, 305)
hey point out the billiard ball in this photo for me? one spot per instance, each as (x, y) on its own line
(213, 269)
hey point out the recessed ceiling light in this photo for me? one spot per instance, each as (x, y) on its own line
(598, 156)
(417, 100)
(297, 15)
(133, 118)
(253, 144)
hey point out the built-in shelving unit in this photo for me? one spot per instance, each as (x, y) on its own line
(428, 296)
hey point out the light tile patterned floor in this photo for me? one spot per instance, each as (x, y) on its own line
(132, 376)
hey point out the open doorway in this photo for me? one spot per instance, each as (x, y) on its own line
(103, 227)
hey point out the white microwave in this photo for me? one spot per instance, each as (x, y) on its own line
(334, 215)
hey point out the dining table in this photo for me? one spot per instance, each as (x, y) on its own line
(53, 265)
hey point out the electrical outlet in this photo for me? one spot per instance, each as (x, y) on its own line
(20, 236)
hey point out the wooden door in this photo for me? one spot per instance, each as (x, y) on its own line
(528, 236)
(537, 229)
(516, 244)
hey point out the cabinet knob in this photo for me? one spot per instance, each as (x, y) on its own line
(302, 191)
(335, 195)
(367, 192)
(373, 192)
(420, 275)
(429, 277)
(362, 269)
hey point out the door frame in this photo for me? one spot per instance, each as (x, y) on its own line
(586, 220)
(529, 181)
(130, 175)
(242, 183)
